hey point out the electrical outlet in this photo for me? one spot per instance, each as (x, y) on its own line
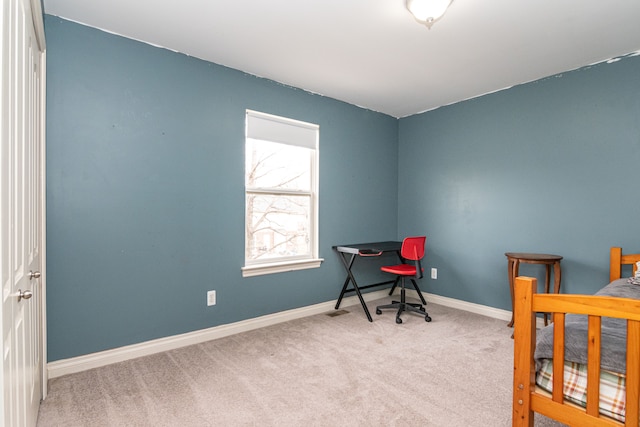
(434, 273)
(211, 298)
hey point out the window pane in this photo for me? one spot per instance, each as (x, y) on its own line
(277, 226)
(273, 165)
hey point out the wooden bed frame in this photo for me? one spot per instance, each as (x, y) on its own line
(526, 398)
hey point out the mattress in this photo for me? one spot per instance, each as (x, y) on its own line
(612, 387)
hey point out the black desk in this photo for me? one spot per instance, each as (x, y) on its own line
(348, 255)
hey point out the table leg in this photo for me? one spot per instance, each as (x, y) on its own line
(344, 289)
(510, 276)
(395, 284)
(362, 302)
(352, 279)
(393, 288)
(415, 286)
(557, 276)
(513, 268)
(547, 279)
(347, 266)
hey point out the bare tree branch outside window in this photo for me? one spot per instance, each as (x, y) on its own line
(278, 201)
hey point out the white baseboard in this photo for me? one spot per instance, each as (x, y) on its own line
(120, 354)
(107, 357)
(484, 310)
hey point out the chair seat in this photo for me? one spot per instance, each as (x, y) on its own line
(400, 269)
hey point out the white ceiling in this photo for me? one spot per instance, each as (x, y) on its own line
(372, 53)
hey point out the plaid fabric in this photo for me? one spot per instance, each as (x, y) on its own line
(612, 387)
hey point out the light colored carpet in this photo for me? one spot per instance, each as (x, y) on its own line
(318, 371)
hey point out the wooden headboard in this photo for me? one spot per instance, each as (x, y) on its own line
(617, 260)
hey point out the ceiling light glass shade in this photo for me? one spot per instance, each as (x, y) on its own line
(428, 11)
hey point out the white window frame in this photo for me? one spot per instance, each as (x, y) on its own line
(262, 126)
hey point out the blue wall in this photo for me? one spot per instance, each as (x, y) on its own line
(145, 191)
(551, 166)
(145, 187)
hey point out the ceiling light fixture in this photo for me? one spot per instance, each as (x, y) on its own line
(427, 12)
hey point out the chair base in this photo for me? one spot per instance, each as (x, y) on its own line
(404, 306)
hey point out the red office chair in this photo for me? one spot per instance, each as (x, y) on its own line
(412, 250)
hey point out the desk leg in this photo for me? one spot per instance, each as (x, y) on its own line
(347, 266)
(352, 279)
(395, 284)
(344, 289)
(393, 288)
(364, 304)
(415, 286)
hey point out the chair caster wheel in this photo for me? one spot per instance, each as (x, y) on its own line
(398, 320)
(427, 319)
(378, 311)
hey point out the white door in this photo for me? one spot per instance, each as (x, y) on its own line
(21, 210)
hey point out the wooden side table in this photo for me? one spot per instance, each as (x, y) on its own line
(515, 258)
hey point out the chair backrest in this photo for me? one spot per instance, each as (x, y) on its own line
(413, 248)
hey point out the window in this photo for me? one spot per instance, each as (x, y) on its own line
(281, 194)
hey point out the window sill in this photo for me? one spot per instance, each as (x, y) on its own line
(280, 267)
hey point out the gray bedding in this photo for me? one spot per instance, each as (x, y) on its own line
(614, 333)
